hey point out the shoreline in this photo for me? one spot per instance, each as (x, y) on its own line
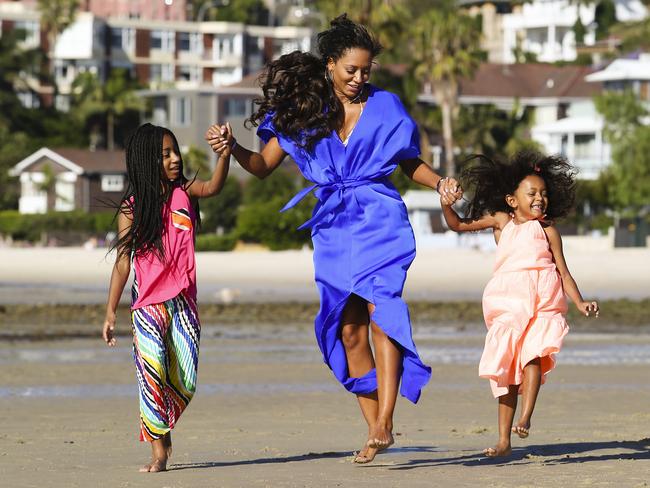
(46, 322)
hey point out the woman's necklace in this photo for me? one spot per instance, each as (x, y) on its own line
(354, 100)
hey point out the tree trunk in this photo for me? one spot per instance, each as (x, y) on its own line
(110, 131)
(447, 136)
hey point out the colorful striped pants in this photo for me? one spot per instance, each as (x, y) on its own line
(166, 353)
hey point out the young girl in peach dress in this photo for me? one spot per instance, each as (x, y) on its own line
(524, 302)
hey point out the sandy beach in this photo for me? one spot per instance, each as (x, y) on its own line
(268, 413)
(77, 275)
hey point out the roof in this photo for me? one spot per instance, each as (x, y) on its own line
(623, 69)
(528, 80)
(79, 161)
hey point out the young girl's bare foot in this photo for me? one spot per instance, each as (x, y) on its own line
(380, 438)
(167, 443)
(501, 449)
(155, 466)
(522, 429)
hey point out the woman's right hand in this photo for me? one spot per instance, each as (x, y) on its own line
(219, 137)
(108, 330)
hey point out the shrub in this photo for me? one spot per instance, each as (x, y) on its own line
(214, 242)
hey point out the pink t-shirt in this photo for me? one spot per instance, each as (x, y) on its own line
(158, 281)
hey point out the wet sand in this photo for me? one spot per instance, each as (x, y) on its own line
(269, 413)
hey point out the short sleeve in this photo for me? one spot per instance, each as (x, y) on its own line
(405, 135)
(266, 130)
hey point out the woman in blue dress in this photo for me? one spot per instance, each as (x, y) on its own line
(347, 137)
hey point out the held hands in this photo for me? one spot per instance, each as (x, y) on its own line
(450, 191)
(109, 329)
(587, 308)
(220, 138)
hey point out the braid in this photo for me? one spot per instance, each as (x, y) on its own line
(146, 193)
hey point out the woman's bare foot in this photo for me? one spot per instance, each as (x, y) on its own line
(365, 455)
(522, 429)
(501, 449)
(380, 438)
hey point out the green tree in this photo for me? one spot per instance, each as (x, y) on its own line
(629, 173)
(605, 17)
(446, 49)
(56, 16)
(110, 101)
(245, 11)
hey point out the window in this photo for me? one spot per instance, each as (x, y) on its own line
(159, 115)
(585, 146)
(183, 111)
(162, 40)
(112, 183)
(31, 33)
(183, 41)
(161, 72)
(188, 73)
(116, 38)
(235, 107)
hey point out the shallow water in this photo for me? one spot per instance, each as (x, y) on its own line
(296, 345)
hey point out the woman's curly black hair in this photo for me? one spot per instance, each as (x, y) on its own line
(488, 182)
(147, 191)
(296, 90)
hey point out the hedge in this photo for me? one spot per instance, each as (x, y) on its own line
(30, 227)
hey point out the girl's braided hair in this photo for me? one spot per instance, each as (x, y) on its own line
(147, 191)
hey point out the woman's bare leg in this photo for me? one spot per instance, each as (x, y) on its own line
(388, 359)
(355, 338)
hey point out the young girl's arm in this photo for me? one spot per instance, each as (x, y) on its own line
(488, 221)
(568, 283)
(202, 189)
(259, 164)
(119, 276)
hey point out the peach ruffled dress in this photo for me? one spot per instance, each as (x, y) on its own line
(523, 307)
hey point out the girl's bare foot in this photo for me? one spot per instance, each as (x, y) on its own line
(156, 466)
(501, 449)
(522, 429)
(380, 438)
(167, 443)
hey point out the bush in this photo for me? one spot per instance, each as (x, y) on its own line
(262, 222)
(221, 211)
(214, 242)
(30, 227)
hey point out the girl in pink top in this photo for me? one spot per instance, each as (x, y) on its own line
(523, 303)
(156, 224)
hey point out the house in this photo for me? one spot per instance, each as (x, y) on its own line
(542, 28)
(626, 74)
(70, 179)
(564, 120)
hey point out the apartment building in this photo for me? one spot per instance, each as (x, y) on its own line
(161, 54)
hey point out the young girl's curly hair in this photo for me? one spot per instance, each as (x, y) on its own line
(488, 182)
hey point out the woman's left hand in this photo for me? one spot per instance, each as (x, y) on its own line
(450, 191)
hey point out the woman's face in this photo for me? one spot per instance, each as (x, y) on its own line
(351, 71)
(171, 160)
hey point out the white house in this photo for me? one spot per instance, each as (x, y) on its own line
(545, 27)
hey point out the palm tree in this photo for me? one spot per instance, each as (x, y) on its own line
(56, 16)
(111, 99)
(446, 50)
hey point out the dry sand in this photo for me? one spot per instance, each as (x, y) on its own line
(76, 275)
(268, 413)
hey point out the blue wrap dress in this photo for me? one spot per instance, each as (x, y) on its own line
(363, 241)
